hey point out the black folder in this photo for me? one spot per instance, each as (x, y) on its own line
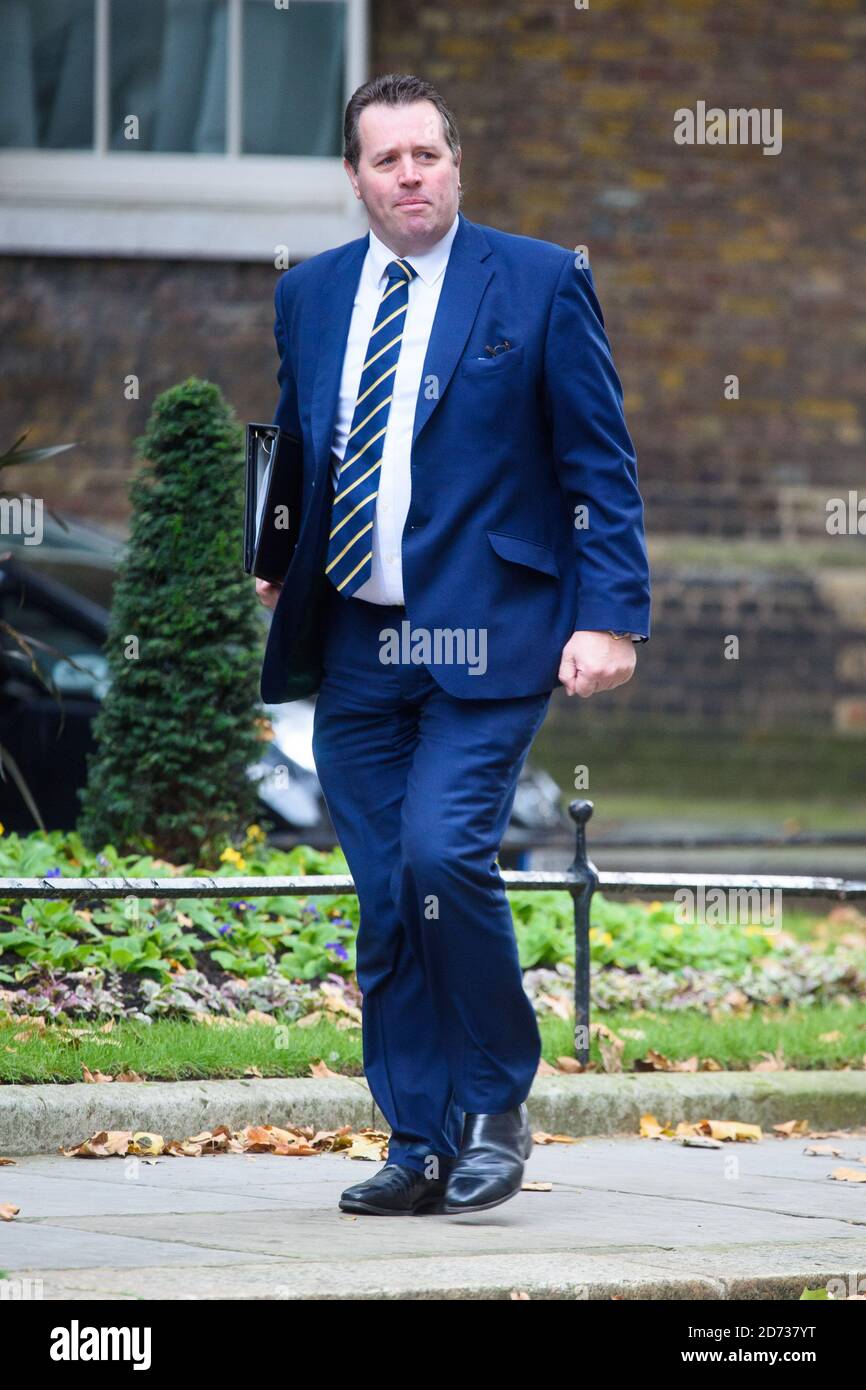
(272, 512)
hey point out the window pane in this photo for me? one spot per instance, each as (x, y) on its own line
(293, 77)
(46, 74)
(168, 68)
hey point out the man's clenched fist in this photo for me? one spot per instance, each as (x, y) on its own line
(593, 661)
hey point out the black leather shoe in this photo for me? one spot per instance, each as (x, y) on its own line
(489, 1167)
(395, 1191)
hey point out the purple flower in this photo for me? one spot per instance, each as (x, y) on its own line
(101, 859)
(53, 873)
(225, 929)
(338, 949)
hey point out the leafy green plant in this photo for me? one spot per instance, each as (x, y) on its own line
(193, 954)
(632, 936)
(157, 939)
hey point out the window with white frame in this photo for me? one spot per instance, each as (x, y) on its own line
(193, 127)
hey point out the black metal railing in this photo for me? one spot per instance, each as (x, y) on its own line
(581, 879)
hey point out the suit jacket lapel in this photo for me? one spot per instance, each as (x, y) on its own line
(465, 281)
(336, 301)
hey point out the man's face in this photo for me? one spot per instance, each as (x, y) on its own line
(406, 178)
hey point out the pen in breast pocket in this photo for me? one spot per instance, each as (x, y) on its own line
(499, 348)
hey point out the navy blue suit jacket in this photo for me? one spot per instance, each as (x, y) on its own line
(525, 518)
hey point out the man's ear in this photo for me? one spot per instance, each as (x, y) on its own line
(352, 178)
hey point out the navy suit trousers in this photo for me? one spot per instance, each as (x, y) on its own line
(420, 787)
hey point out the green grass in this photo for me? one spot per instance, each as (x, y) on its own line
(735, 1041)
(172, 1050)
(176, 1050)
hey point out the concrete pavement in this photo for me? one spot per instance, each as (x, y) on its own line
(636, 1218)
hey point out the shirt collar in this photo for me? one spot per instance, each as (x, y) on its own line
(429, 264)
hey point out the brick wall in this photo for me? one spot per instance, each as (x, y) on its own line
(799, 660)
(709, 260)
(73, 330)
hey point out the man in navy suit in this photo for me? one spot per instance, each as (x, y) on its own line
(471, 536)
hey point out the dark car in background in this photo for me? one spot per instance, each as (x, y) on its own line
(59, 593)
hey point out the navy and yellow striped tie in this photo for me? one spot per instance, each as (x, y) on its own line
(350, 551)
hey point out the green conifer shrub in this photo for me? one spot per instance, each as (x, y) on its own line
(177, 728)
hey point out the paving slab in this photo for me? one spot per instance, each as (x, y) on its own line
(624, 1217)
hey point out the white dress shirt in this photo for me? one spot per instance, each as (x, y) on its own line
(385, 584)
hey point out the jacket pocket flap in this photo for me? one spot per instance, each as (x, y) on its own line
(523, 552)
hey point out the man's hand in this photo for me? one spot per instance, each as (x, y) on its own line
(268, 593)
(593, 661)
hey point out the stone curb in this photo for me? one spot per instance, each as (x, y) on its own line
(545, 1275)
(42, 1118)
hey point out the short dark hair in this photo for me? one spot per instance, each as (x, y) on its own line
(394, 89)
